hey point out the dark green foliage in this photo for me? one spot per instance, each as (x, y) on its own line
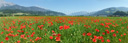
(32, 13)
(120, 13)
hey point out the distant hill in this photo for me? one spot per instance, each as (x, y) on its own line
(109, 11)
(82, 13)
(6, 6)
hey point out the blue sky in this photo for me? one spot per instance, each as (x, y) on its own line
(70, 6)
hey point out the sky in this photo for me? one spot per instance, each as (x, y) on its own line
(71, 6)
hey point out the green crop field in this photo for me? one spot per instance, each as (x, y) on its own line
(63, 29)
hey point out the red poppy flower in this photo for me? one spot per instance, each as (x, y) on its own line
(108, 40)
(103, 33)
(113, 25)
(61, 27)
(94, 40)
(26, 32)
(89, 34)
(120, 40)
(121, 35)
(107, 26)
(32, 28)
(84, 34)
(16, 34)
(28, 36)
(102, 24)
(32, 35)
(107, 32)
(2, 32)
(53, 31)
(97, 30)
(102, 40)
(22, 36)
(51, 37)
(112, 30)
(41, 25)
(57, 38)
(1, 42)
(18, 41)
(23, 27)
(124, 33)
(114, 35)
(59, 35)
(30, 24)
(6, 38)
(116, 31)
(22, 31)
(95, 37)
(100, 37)
(66, 27)
(38, 38)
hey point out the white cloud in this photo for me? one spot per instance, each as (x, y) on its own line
(4, 3)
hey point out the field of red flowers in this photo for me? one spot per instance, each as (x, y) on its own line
(63, 29)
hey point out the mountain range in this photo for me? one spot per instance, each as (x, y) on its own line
(7, 6)
(103, 12)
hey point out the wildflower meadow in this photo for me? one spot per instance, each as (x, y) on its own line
(63, 29)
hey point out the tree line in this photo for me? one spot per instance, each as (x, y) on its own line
(119, 13)
(10, 12)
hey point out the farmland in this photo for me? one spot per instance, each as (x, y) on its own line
(63, 29)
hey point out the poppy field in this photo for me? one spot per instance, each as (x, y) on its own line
(63, 29)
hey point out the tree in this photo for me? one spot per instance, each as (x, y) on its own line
(9, 12)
